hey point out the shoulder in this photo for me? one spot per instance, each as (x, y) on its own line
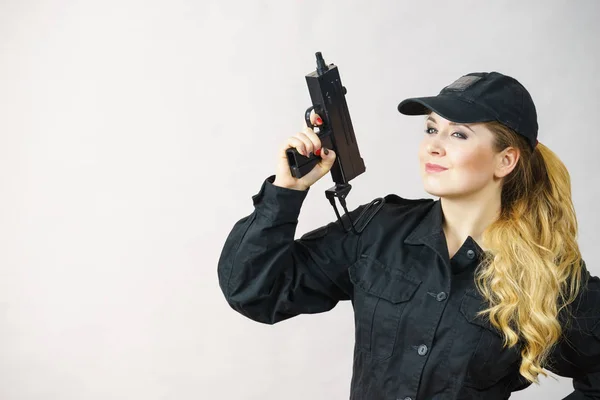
(579, 350)
(586, 308)
(395, 201)
(391, 208)
(400, 207)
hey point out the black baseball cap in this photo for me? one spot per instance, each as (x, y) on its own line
(481, 97)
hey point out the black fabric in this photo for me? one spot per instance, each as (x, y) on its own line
(482, 97)
(417, 332)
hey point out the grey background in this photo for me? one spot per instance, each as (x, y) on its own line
(134, 133)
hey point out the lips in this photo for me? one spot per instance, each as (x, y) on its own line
(434, 168)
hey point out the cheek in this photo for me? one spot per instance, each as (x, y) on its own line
(422, 150)
(475, 163)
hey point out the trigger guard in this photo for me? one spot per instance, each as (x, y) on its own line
(307, 117)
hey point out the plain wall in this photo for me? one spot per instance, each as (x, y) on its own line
(134, 133)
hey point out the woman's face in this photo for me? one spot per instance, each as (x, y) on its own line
(456, 159)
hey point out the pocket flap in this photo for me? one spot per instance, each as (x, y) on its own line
(471, 304)
(370, 275)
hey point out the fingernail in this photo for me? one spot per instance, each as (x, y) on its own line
(317, 152)
(325, 151)
(319, 121)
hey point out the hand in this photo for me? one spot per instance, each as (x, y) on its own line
(304, 142)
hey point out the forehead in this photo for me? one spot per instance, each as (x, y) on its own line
(435, 117)
(438, 119)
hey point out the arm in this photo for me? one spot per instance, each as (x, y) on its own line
(268, 276)
(578, 355)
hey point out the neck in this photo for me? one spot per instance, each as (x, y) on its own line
(470, 215)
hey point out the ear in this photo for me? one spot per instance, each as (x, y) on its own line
(506, 161)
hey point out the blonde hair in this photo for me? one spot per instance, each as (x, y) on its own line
(532, 268)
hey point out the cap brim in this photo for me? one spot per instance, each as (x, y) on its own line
(451, 108)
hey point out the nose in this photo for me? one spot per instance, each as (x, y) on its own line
(435, 146)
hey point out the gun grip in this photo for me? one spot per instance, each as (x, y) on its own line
(300, 165)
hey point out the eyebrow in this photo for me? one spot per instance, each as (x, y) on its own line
(430, 118)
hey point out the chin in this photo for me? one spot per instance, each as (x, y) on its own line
(437, 193)
(444, 191)
(435, 187)
(438, 189)
(434, 190)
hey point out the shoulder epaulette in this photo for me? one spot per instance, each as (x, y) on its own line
(376, 205)
(368, 213)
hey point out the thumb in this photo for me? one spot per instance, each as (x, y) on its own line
(327, 159)
(323, 167)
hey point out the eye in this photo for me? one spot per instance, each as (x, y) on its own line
(429, 131)
(460, 135)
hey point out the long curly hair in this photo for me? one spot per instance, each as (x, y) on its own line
(532, 267)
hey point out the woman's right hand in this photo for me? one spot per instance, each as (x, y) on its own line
(305, 142)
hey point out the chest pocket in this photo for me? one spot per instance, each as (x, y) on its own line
(490, 362)
(380, 297)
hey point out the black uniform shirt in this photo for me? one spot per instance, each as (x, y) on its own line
(417, 335)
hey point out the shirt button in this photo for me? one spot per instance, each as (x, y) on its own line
(471, 254)
(441, 296)
(422, 350)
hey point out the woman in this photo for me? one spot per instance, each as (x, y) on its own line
(465, 297)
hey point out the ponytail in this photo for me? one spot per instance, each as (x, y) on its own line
(532, 268)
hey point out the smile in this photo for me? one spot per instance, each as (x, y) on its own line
(434, 168)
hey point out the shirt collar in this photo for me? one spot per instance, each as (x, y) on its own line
(429, 227)
(430, 232)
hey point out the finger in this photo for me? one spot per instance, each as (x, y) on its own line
(314, 138)
(315, 118)
(308, 144)
(327, 159)
(328, 155)
(323, 167)
(296, 143)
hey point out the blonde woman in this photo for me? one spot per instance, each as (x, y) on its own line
(470, 296)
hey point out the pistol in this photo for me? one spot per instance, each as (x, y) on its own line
(328, 100)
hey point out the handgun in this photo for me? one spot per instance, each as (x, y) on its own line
(328, 100)
(336, 132)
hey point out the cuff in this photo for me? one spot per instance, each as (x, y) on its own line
(279, 203)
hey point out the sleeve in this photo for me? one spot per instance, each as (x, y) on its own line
(578, 355)
(268, 276)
